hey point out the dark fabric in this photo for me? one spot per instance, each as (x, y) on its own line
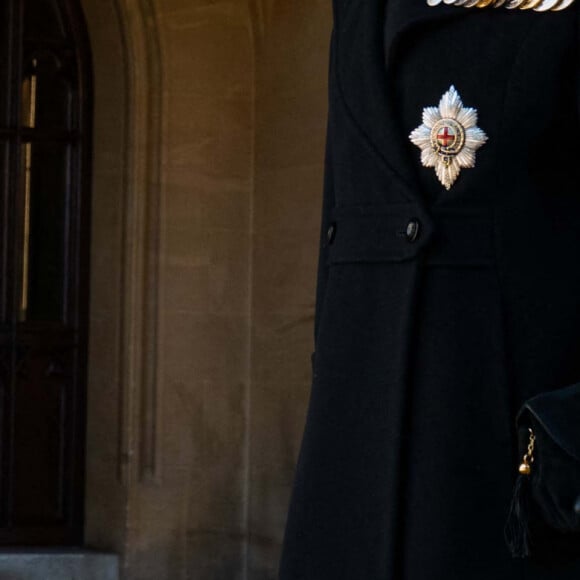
(426, 347)
(557, 412)
(554, 417)
(463, 237)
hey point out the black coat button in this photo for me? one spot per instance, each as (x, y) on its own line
(331, 233)
(413, 230)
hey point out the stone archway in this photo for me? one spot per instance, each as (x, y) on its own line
(124, 410)
(205, 195)
(170, 285)
(123, 416)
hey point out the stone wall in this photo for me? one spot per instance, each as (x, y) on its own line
(209, 138)
(291, 104)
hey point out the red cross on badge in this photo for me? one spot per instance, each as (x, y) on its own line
(446, 136)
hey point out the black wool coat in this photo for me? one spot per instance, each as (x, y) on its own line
(438, 312)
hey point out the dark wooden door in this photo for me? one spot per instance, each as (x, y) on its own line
(44, 258)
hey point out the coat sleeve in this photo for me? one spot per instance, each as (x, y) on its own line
(328, 202)
(549, 440)
(557, 416)
(553, 474)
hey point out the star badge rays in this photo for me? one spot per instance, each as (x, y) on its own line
(448, 137)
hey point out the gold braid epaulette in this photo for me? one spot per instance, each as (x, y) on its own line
(537, 5)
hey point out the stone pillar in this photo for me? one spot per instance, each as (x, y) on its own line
(209, 140)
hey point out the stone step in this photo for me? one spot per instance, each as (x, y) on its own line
(49, 564)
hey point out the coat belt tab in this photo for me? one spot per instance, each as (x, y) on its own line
(397, 233)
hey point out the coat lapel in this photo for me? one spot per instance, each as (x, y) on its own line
(366, 48)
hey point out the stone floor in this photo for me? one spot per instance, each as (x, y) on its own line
(45, 564)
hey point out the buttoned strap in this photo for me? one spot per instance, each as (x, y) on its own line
(396, 233)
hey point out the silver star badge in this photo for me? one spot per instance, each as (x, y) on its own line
(448, 137)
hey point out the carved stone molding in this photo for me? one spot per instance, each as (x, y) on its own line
(261, 12)
(140, 409)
